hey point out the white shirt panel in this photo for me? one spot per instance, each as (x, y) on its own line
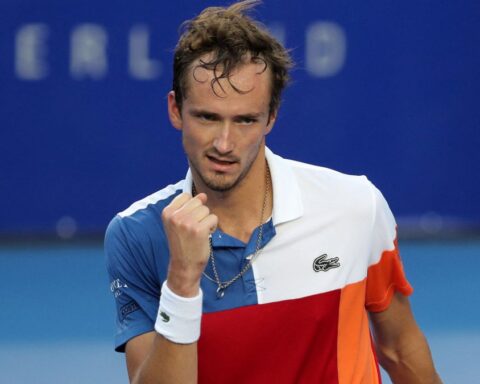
(336, 219)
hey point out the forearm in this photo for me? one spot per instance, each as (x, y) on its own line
(171, 353)
(401, 346)
(411, 363)
(168, 363)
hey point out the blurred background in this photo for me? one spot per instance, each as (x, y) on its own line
(385, 89)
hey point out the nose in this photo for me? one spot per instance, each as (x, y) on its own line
(223, 141)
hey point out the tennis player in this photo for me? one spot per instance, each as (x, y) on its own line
(254, 268)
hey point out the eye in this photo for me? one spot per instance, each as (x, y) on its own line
(207, 117)
(246, 120)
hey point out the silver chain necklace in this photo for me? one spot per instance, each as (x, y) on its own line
(223, 285)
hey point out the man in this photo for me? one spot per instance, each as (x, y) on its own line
(256, 269)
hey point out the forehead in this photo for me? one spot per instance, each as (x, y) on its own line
(247, 83)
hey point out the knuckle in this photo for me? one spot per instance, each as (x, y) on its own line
(165, 213)
(176, 220)
(184, 225)
(197, 231)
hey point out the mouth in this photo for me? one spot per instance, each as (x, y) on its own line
(219, 164)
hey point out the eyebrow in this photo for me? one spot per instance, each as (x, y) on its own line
(200, 112)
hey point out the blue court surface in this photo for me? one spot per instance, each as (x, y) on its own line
(56, 321)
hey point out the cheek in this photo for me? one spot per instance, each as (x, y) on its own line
(254, 139)
(251, 145)
(193, 140)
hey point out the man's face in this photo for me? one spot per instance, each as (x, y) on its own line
(224, 131)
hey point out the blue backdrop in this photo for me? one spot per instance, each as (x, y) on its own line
(386, 89)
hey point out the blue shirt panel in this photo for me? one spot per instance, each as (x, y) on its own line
(230, 258)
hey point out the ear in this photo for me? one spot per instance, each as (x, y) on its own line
(174, 112)
(271, 122)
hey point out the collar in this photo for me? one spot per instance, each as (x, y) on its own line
(287, 198)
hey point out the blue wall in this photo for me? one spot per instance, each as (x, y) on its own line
(387, 90)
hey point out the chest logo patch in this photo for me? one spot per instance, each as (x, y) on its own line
(321, 263)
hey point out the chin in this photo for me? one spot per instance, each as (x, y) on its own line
(220, 184)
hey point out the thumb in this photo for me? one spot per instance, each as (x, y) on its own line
(202, 197)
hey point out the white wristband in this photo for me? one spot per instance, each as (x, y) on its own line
(179, 318)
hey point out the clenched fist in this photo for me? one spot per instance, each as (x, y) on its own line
(188, 224)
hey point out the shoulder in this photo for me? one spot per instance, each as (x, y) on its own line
(158, 199)
(147, 211)
(137, 230)
(338, 188)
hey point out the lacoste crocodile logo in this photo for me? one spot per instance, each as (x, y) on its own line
(321, 263)
(165, 317)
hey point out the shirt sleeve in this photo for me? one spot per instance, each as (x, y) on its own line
(385, 274)
(132, 283)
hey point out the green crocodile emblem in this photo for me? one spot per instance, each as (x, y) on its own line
(165, 317)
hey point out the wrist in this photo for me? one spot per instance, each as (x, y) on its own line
(184, 284)
(179, 318)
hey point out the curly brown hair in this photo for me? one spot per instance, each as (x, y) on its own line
(228, 37)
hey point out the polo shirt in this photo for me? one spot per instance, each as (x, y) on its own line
(328, 256)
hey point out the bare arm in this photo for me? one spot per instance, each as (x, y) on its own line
(151, 357)
(401, 346)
